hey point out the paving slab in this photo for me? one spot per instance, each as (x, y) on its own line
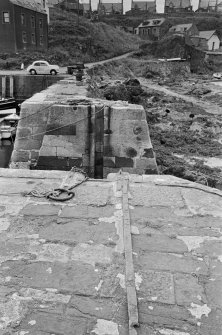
(62, 265)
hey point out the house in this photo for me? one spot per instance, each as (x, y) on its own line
(210, 6)
(149, 6)
(108, 8)
(72, 6)
(178, 6)
(151, 29)
(206, 40)
(23, 26)
(188, 29)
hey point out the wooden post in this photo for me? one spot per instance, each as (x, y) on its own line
(4, 87)
(11, 91)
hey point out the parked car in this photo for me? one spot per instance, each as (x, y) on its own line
(218, 75)
(42, 67)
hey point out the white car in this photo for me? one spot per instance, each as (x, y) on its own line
(218, 75)
(42, 67)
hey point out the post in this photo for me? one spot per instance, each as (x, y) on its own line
(4, 87)
(11, 90)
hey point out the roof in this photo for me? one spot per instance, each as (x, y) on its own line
(34, 5)
(180, 27)
(63, 266)
(178, 3)
(109, 7)
(207, 34)
(143, 5)
(152, 23)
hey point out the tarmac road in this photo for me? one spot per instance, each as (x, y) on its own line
(63, 70)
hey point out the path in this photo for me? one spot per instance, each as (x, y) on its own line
(63, 70)
(207, 106)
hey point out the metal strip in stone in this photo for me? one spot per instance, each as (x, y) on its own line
(129, 267)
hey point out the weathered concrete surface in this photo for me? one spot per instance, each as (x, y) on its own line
(62, 268)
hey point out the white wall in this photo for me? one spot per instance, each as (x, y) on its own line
(213, 39)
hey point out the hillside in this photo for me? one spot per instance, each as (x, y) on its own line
(204, 21)
(70, 40)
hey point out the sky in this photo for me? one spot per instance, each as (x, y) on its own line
(127, 4)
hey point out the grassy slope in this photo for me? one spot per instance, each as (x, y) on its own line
(70, 41)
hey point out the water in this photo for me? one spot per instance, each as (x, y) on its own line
(6, 147)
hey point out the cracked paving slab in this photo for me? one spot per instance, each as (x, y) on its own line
(62, 268)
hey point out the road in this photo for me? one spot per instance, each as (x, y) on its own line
(63, 70)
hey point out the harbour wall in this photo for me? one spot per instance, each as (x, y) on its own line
(61, 128)
(22, 87)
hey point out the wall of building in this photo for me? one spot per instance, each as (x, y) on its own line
(100, 136)
(37, 31)
(213, 43)
(7, 30)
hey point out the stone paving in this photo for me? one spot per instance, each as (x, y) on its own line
(62, 267)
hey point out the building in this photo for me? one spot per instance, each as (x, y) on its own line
(149, 6)
(206, 40)
(23, 26)
(72, 6)
(152, 29)
(210, 6)
(178, 6)
(188, 29)
(108, 8)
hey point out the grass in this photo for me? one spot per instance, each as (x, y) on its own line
(71, 41)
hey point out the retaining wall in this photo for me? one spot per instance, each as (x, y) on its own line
(59, 128)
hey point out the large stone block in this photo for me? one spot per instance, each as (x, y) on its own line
(27, 144)
(20, 156)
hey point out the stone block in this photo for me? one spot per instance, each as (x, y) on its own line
(158, 242)
(167, 262)
(59, 129)
(108, 151)
(20, 156)
(155, 286)
(27, 144)
(23, 132)
(40, 210)
(133, 170)
(167, 316)
(188, 290)
(145, 163)
(109, 161)
(48, 151)
(68, 151)
(151, 171)
(107, 170)
(53, 323)
(34, 154)
(123, 162)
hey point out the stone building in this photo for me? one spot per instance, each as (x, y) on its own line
(23, 26)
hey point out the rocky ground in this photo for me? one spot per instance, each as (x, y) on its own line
(184, 113)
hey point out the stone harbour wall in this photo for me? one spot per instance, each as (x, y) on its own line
(57, 132)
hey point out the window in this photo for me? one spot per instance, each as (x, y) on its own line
(32, 22)
(41, 40)
(6, 18)
(33, 39)
(23, 19)
(40, 23)
(24, 37)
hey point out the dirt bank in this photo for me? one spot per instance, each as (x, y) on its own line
(183, 112)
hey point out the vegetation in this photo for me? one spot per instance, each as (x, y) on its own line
(71, 40)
